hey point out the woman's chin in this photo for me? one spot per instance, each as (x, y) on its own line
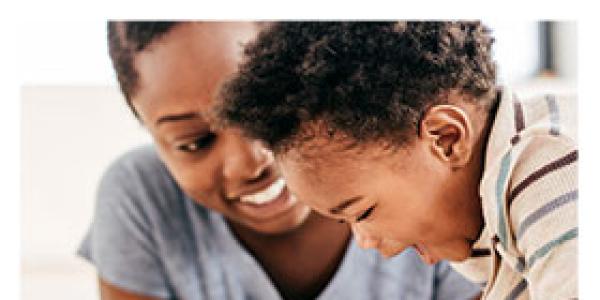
(282, 224)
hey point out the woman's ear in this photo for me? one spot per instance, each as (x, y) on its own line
(448, 131)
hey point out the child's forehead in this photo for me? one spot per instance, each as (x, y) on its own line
(323, 153)
(313, 136)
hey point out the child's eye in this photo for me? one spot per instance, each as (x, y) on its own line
(365, 214)
(200, 143)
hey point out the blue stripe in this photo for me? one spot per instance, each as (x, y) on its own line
(542, 251)
(554, 116)
(545, 210)
(500, 196)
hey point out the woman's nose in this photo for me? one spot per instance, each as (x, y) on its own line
(363, 238)
(246, 161)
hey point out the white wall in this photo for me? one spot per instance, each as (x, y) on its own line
(566, 47)
(68, 137)
(75, 53)
(64, 53)
(515, 49)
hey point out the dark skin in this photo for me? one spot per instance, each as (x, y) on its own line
(423, 195)
(179, 76)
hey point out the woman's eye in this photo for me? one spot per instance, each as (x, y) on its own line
(200, 143)
(365, 214)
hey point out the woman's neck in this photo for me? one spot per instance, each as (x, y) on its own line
(318, 245)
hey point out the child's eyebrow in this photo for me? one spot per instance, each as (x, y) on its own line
(345, 204)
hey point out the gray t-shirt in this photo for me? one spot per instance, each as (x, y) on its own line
(149, 238)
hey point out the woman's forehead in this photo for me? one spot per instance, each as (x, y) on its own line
(180, 73)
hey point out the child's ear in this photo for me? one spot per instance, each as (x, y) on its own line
(448, 130)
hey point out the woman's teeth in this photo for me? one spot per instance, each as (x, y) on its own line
(267, 195)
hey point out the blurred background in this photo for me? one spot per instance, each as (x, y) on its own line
(74, 123)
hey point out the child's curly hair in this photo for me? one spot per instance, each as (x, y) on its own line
(370, 81)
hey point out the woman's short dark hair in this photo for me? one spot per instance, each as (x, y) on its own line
(125, 40)
(370, 81)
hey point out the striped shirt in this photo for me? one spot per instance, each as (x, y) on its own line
(528, 247)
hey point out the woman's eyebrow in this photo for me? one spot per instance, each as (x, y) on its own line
(345, 204)
(177, 117)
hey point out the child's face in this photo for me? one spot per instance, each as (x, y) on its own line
(392, 200)
(179, 76)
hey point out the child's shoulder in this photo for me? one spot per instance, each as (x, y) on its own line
(539, 122)
(549, 114)
(531, 159)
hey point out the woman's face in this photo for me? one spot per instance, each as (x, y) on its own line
(179, 79)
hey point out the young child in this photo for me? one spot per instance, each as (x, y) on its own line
(399, 129)
(204, 213)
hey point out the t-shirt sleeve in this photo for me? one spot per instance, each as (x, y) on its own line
(119, 242)
(543, 216)
(450, 285)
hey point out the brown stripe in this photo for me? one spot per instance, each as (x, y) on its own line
(520, 264)
(480, 252)
(517, 290)
(553, 166)
(515, 139)
(519, 119)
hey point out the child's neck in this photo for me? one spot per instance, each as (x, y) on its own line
(482, 120)
(486, 121)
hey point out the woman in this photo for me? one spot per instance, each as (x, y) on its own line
(204, 213)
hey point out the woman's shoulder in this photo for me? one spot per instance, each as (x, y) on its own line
(139, 169)
(137, 189)
(138, 183)
(139, 161)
